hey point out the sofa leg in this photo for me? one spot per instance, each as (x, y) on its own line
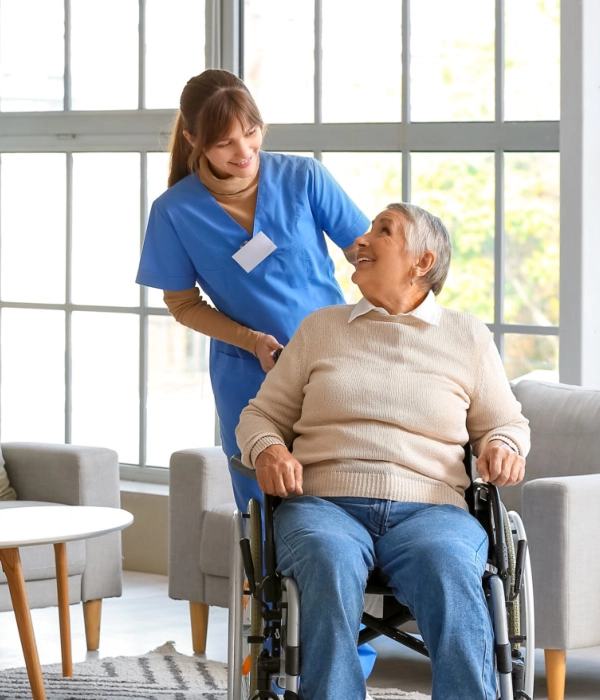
(92, 612)
(199, 617)
(556, 673)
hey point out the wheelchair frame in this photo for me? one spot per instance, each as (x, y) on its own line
(264, 635)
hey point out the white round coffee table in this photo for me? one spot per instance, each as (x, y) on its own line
(57, 525)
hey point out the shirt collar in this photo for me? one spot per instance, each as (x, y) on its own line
(428, 310)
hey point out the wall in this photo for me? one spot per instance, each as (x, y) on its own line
(145, 542)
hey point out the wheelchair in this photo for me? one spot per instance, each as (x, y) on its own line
(264, 607)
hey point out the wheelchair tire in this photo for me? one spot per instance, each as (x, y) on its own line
(252, 614)
(526, 608)
(514, 612)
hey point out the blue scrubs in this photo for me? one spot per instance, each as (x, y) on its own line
(191, 239)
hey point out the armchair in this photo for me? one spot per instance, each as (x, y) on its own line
(49, 474)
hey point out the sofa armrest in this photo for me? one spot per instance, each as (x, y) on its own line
(68, 474)
(562, 520)
(75, 476)
(199, 480)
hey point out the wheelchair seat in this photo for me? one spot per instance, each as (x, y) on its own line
(265, 607)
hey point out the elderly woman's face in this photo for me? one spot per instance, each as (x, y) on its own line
(382, 263)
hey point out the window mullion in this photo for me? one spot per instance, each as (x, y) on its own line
(67, 67)
(318, 84)
(230, 31)
(69, 301)
(142, 55)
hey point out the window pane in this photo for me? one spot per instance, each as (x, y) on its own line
(32, 55)
(279, 62)
(106, 228)
(532, 249)
(532, 68)
(459, 188)
(158, 172)
(452, 60)
(104, 54)
(174, 49)
(373, 180)
(33, 237)
(33, 375)
(106, 381)
(181, 408)
(531, 357)
(355, 88)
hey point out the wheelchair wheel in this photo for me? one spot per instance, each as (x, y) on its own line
(244, 609)
(512, 613)
(524, 622)
(251, 606)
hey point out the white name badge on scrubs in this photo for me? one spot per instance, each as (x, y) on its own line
(254, 252)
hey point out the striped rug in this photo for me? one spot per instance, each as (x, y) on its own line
(162, 674)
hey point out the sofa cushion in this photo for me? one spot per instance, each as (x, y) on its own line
(38, 561)
(7, 493)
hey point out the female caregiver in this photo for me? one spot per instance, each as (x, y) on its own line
(247, 228)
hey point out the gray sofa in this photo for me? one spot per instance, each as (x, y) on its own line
(558, 501)
(49, 474)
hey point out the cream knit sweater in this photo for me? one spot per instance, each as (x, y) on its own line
(382, 406)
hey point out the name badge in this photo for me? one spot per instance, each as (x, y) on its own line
(254, 252)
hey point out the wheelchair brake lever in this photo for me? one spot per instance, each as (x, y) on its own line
(519, 565)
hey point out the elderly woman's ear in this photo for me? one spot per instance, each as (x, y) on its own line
(425, 263)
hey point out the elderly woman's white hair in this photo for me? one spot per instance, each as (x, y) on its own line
(423, 232)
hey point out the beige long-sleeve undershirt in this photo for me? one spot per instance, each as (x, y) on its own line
(190, 309)
(237, 196)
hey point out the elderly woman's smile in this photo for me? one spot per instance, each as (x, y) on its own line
(363, 259)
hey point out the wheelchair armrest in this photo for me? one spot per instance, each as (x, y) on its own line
(239, 466)
(269, 505)
(487, 508)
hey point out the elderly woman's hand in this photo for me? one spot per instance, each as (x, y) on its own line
(500, 465)
(278, 472)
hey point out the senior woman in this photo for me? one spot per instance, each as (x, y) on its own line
(377, 400)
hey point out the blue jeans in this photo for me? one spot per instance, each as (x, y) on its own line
(433, 556)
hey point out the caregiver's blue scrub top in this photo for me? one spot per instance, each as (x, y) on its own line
(190, 238)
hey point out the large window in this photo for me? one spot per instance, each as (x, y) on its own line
(457, 115)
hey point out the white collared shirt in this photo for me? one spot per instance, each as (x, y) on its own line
(428, 310)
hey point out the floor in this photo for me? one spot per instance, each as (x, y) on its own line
(145, 617)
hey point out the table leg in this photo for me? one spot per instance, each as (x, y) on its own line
(64, 618)
(11, 564)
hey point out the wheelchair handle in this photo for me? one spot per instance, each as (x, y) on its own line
(238, 466)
